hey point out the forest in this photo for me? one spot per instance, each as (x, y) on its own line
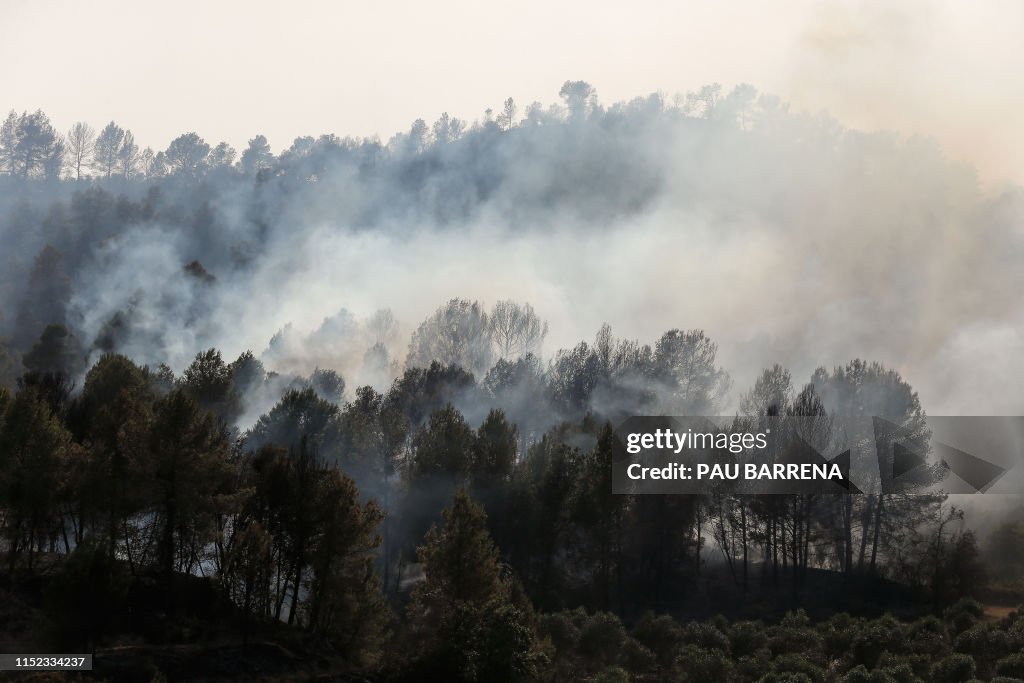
(195, 487)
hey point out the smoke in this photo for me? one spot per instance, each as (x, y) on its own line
(936, 68)
(786, 237)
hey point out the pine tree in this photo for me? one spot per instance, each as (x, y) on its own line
(33, 448)
(463, 614)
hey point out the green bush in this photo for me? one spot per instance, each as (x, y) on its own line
(1012, 666)
(956, 668)
(986, 644)
(602, 638)
(795, 635)
(784, 678)
(697, 665)
(905, 668)
(838, 634)
(902, 673)
(560, 630)
(661, 635)
(964, 614)
(874, 639)
(751, 667)
(746, 637)
(857, 674)
(637, 658)
(798, 664)
(612, 675)
(930, 624)
(705, 636)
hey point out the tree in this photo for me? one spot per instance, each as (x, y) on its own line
(457, 334)
(247, 373)
(738, 105)
(10, 366)
(443, 447)
(518, 389)
(328, 385)
(56, 352)
(542, 490)
(382, 327)
(418, 137)
(1005, 547)
(572, 378)
(462, 612)
(30, 147)
(222, 156)
(495, 450)
(247, 570)
(516, 329)
(8, 142)
(187, 155)
(108, 148)
(300, 414)
(601, 517)
(45, 302)
(209, 381)
(81, 142)
(345, 603)
(684, 362)
(190, 474)
(113, 415)
(257, 156)
(508, 114)
(771, 395)
(145, 163)
(128, 157)
(33, 448)
(448, 128)
(579, 96)
(866, 389)
(703, 102)
(421, 391)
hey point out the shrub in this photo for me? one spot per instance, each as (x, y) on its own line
(705, 636)
(798, 664)
(752, 666)
(919, 666)
(985, 644)
(794, 634)
(857, 674)
(612, 675)
(637, 658)
(746, 637)
(698, 664)
(784, 678)
(720, 622)
(872, 641)
(902, 673)
(661, 635)
(602, 638)
(963, 614)
(838, 634)
(1012, 666)
(905, 668)
(560, 630)
(956, 668)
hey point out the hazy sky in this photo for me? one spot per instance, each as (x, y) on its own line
(230, 69)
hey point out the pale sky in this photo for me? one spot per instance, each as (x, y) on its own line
(231, 69)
